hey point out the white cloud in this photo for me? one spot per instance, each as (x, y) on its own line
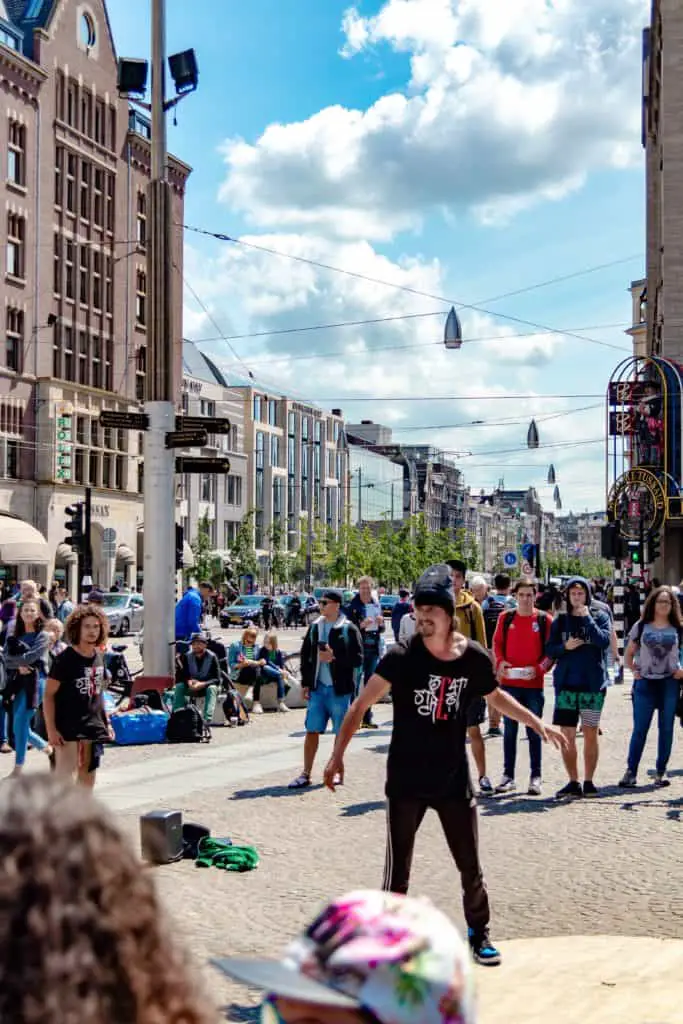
(510, 102)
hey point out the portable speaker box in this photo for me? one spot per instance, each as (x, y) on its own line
(161, 836)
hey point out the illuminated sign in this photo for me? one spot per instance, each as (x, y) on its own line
(636, 497)
(63, 442)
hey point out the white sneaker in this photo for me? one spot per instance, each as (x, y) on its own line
(534, 785)
(282, 707)
(256, 708)
(506, 785)
(249, 693)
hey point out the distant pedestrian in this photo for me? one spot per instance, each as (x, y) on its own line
(401, 608)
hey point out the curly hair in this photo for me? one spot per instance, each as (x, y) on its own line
(81, 931)
(72, 626)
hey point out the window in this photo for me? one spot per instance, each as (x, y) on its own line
(260, 449)
(68, 353)
(142, 219)
(12, 471)
(86, 112)
(57, 266)
(118, 473)
(207, 487)
(86, 31)
(84, 276)
(317, 429)
(83, 358)
(257, 408)
(291, 454)
(16, 237)
(112, 128)
(72, 103)
(109, 369)
(111, 182)
(206, 407)
(229, 534)
(100, 122)
(304, 428)
(233, 490)
(274, 450)
(140, 374)
(277, 499)
(85, 190)
(80, 430)
(71, 183)
(9, 39)
(69, 269)
(59, 175)
(141, 298)
(185, 402)
(108, 285)
(98, 198)
(258, 530)
(94, 469)
(97, 280)
(97, 362)
(141, 477)
(16, 153)
(272, 412)
(79, 455)
(106, 471)
(14, 339)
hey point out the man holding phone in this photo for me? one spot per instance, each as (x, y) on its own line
(331, 654)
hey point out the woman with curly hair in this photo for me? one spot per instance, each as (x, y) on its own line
(82, 935)
(75, 716)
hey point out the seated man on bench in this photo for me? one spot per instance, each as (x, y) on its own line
(198, 675)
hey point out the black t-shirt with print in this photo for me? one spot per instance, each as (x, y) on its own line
(427, 757)
(79, 708)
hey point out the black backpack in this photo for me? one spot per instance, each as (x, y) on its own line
(492, 613)
(187, 726)
(234, 707)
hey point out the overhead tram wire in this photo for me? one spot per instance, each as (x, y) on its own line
(219, 236)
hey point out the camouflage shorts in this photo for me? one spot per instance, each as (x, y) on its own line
(572, 705)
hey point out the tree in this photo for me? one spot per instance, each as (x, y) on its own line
(280, 561)
(207, 564)
(242, 553)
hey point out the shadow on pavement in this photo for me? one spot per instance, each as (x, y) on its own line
(491, 807)
(284, 790)
(356, 810)
(242, 1014)
(383, 748)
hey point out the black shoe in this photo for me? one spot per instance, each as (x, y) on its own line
(369, 725)
(589, 789)
(494, 730)
(483, 950)
(572, 791)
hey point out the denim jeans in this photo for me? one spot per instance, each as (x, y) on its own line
(650, 695)
(23, 733)
(269, 674)
(181, 696)
(534, 700)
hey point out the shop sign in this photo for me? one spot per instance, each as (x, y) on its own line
(63, 441)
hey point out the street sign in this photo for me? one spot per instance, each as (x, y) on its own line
(109, 542)
(188, 465)
(510, 559)
(187, 438)
(124, 420)
(212, 424)
(526, 569)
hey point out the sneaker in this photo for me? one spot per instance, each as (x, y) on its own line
(494, 730)
(369, 725)
(589, 788)
(506, 785)
(485, 786)
(534, 786)
(661, 781)
(256, 708)
(483, 950)
(282, 707)
(628, 780)
(572, 791)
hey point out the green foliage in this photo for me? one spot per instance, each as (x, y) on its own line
(280, 561)
(207, 565)
(242, 552)
(564, 565)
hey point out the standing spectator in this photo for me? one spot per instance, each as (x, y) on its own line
(479, 589)
(401, 608)
(189, 610)
(492, 606)
(365, 612)
(654, 655)
(26, 665)
(267, 611)
(63, 606)
(82, 934)
(519, 651)
(579, 639)
(331, 654)
(8, 614)
(294, 611)
(198, 675)
(75, 716)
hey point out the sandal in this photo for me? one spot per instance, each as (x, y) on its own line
(300, 782)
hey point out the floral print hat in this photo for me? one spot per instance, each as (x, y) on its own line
(399, 958)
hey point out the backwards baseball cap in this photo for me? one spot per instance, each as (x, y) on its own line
(333, 595)
(397, 957)
(435, 587)
(457, 564)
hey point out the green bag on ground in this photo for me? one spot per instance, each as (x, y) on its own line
(220, 853)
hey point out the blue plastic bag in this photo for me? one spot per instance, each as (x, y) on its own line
(141, 726)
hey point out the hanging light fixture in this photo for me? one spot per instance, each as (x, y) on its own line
(532, 440)
(551, 474)
(556, 493)
(452, 335)
(558, 504)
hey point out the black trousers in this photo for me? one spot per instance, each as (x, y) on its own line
(459, 823)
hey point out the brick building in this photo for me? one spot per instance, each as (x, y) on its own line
(73, 284)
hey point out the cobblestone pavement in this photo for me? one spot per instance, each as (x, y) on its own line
(609, 866)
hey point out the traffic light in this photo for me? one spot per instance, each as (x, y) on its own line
(612, 544)
(74, 524)
(179, 545)
(635, 552)
(654, 544)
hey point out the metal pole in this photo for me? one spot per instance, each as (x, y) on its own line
(309, 536)
(618, 605)
(159, 549)
(360, 496)
(87, 529)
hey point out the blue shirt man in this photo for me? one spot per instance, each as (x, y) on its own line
(189, 611)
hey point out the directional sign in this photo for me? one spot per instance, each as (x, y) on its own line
(187, 438)
(212, 424)
(183, 465)
(510, 559)
(526, 569)
(124, 420)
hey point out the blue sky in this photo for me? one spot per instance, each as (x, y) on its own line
(464, 149)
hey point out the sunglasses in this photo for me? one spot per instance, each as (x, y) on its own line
(323, 603)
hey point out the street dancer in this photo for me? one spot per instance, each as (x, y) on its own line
(434, 681)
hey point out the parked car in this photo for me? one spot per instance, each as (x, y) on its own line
(387, 602)
(248, 608)
(125, 612)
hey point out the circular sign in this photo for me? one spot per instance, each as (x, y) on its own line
(510, 559)
(526, 569)
(637, 501)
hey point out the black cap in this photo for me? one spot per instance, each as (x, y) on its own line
(333, 595)
(95, 597)
(458, 564)
(435, 587)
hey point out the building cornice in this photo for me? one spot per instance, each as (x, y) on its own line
(24, 71)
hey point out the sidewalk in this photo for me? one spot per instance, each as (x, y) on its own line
(584, 980)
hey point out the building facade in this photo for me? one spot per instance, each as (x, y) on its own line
(74, 284)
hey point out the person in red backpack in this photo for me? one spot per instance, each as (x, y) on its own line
(518, 648)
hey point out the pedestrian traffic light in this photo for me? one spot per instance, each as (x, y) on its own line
(74, 524)
(654, 544)
(612, 544)
(635, 552)
(179, 545)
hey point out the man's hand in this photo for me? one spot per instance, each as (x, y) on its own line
(306, 692)
(368, 624)
(326, 656)
(502, 669)
(333, 768)
(24, 670)
(572, 643)
(54, 738)
(550, 734)
(112, 734)
(678, 674)
(582, 612)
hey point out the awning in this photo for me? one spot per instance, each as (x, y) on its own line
(125, 555)
(22, 544)
(65, 553)
(188, 556)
